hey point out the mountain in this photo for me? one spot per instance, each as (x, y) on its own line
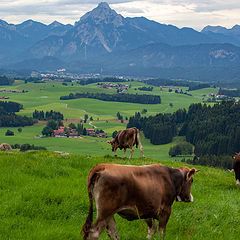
(105, 41)
(16, 39)
(231, 35)
(10, 40)
(103, 31)
(36, 31)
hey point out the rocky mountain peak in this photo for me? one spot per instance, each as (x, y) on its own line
(55, 24)
(102, 14)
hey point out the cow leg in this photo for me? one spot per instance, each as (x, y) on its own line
(124, 152)
(163, 219)
(131, 152)
(97, 229)
(152, 227)
(112, 229)
(141, 149)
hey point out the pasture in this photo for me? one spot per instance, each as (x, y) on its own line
(44, 196)
(46, 97)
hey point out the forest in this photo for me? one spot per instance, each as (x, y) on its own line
(184, 83)
(8, 118)
(8, 106)
(229, 93)
(96, 80)
(120, 97)
(6, 81)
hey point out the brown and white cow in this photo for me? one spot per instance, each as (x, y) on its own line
(135, 192)
(236, 167)
(126, 138)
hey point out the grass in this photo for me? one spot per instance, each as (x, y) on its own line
(43, 196)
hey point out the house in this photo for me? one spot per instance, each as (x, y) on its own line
(60, 132)
(103, 135)
(91, 132)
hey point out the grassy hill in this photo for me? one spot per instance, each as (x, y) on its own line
(44, 196)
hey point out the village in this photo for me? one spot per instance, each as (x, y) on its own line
(120, 87)
(9, 91)
(73, 133)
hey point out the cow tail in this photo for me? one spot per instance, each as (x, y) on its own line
(88, 223)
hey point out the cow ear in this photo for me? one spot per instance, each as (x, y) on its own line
(109, 142)
(191, 173)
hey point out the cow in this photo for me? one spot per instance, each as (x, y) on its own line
(236, 167)
(134, 192)
(126, 138)
(5, 147)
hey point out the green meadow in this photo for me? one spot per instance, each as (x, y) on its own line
(44, 196)
(46, 97)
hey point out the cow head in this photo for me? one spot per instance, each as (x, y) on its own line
(114, 144)
(185, 192)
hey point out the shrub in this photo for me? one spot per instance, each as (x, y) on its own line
(26, 147)
(183, 148)
(9, 133)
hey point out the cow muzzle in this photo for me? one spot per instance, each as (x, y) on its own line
(189, 199)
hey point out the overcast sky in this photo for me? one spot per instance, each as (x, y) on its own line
(181, 13)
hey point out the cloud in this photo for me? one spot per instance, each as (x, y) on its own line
(190, 13)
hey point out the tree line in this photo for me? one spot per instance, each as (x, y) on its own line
(8, 106)
(123, 97)
(145, 88)
(8, 118)
(6, 81)
(229, 93)
(41, 115)
(96, 80)
(184, 83)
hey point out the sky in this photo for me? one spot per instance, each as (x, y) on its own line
(181, 13)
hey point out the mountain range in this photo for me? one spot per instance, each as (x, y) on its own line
(104, 41)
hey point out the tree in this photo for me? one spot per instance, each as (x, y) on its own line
(52, 124)
(183, 148)
(114, 134)
(72, 126)
(9, 133)
(85, 118)
(47, 131)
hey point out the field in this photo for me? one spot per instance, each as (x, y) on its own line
(44, 196)
(46, 97)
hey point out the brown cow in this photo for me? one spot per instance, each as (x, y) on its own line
(236, 167)
(5, 147)
(126, 139)
(134, 192)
